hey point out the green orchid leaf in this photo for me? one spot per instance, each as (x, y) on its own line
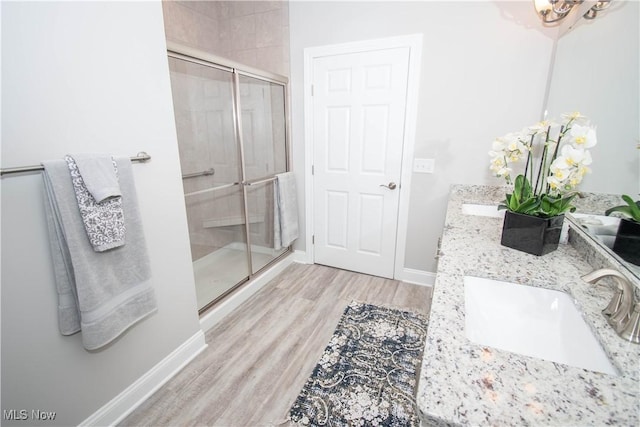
(528, 207)
(516, 196)
(512, 202)
(630, 210)
(566, 203)
(547, 205)
(522, 188)
(633, 207)
(626, 210)
(523, 200)
(531, 207)
(559, 205)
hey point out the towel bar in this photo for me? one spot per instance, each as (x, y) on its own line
(211, 189)
(260, 181)
(209, 171)
(140, 157)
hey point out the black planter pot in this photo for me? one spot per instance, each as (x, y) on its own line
(531, 234)
(627, 243)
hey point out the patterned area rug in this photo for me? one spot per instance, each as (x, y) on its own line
(368, 373)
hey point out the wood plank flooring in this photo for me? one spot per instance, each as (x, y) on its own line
(260, 356)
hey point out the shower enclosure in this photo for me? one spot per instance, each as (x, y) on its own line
(232, 138)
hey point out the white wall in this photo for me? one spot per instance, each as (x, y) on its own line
(83, 77)
(597, 72)
(484, 72)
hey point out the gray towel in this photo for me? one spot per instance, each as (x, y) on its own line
(99, 199)
(285, 213)
(100, 293)
(100, 175)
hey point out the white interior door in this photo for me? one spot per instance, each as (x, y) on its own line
(359, 105)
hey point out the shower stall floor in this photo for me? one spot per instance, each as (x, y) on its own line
(221, 270)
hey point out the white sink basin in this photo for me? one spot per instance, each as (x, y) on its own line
(531, 321)
(482, 210)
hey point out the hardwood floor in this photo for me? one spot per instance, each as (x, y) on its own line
(260, 356)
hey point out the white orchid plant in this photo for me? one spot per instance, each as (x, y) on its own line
(561, 156)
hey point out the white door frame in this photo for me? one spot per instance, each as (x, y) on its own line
(414, 43)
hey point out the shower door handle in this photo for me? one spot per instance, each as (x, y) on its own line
(390, 186)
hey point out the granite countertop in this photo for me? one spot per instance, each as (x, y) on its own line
(465, 383)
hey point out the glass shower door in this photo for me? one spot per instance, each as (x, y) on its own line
(211, 168)
(265, 155)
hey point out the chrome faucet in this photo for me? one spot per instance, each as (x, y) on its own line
(623, 312)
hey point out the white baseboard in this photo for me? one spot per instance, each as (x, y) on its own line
(409, 275)
(220, 310)
(417, 277)
(124, 403)
(300, 257)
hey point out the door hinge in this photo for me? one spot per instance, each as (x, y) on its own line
(312, 90)
(313, 170)
(313, 239)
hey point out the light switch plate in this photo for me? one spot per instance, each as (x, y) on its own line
(423, 165)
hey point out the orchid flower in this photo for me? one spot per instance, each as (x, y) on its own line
(583, 136)
(562, 159)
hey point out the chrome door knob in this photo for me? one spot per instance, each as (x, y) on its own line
(390, 186)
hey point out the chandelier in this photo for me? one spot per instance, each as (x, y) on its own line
(551, 11)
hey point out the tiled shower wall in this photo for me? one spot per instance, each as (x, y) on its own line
(255, 33)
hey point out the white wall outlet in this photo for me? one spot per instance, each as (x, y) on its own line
(423, 165)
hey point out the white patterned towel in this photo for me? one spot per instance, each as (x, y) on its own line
(104, 220)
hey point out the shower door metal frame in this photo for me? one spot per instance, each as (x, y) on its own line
(196, 56)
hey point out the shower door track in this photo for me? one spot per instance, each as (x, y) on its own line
(188, 54)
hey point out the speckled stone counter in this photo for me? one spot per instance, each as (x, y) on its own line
(462, 383)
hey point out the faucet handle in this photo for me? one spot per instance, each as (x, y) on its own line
(623, 305)
(631, 331)
(614, 304)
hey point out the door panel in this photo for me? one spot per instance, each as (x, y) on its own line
(337, 214)
(337, 150)
(375, 138)
(371, 218)
(209, 158)
(359, 114)
(263, 127)
(264, 147)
